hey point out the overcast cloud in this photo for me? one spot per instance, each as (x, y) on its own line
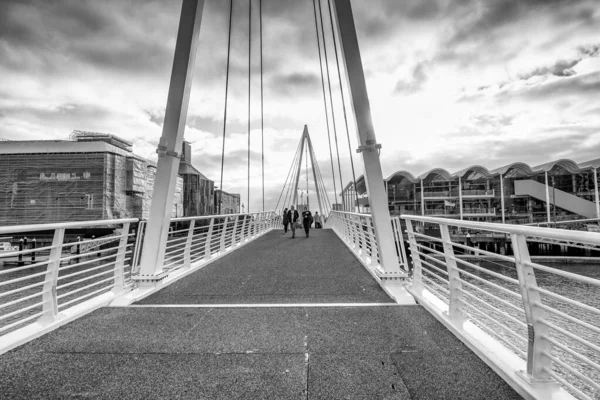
(451, 82)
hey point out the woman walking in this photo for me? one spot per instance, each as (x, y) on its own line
(286, 220)
(293, 216)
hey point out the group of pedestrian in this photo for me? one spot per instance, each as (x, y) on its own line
(291, 216)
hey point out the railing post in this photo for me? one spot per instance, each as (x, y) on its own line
(187, 251)
(119, 284)
(364, 240)
(223, 235)
(50, 307)
(207, 247)
(416, 258)
(456, 296)
(233, 235)
(244, 227)
(536, 331)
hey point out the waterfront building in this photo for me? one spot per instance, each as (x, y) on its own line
(91, 176)
(515, 193)
(198, 190)
(230, 202)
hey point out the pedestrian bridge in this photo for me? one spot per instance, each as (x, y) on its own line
(245, 311)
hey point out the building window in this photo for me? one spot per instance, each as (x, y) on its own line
(90, 201)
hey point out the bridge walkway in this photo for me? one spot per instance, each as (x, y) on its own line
(281, 318)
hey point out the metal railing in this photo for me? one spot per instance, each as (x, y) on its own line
(40, 283)
(358, 233)
(193, 240)
(549, 318)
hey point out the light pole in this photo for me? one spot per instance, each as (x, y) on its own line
(553, 201)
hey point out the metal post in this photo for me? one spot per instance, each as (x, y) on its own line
(460, 196)
(295, 188)
(454, 283)
(207, 246)
(502, 197)
(20, 257)
(119, 284)
(369, 147)
(169, 146)
(422, 199)
(547, 197)
(537, 331)
(312, 163)
(33, 246)
(50, 307)
(596, 193)
(223, 234)
(187, 251)
(416, 258)
(233, 236)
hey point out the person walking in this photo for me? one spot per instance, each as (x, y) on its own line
(293, 218)
(307, 220)
(286, 220)
(318, 221)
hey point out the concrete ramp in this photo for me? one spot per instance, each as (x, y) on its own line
(564, 200)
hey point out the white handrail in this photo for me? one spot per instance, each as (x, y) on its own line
(62, 282)
(559, 343)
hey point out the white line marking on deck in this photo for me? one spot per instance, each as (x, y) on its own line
(259, 305)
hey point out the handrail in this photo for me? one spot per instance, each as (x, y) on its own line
(63, 225)
(554, 334)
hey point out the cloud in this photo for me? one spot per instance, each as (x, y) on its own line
(416, 82)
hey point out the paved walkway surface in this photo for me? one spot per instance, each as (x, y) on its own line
(188, 351)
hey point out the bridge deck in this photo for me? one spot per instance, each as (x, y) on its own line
(163, 349)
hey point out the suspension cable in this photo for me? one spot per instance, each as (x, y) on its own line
(306, 145)
(249, 89)
(225, 111)
(324, 96)
(262, 116)
(337, 61)
(330, 97)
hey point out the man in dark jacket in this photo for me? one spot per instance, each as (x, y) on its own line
(307, 220)
(286, 220)
(292, 218)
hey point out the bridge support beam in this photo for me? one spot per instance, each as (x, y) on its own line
(169, 147)
(369, 148)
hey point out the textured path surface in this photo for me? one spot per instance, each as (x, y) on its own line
(175, 352)
(279, 269)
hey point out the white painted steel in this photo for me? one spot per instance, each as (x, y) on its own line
(358, 233)
(41, 293)
(512, 315)
(369, 148)
(171, 140)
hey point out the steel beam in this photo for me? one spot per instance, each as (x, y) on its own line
(312, 163)
(169, 147)
(369, 147)
(302, 141)
(547, 197)
(596, 193)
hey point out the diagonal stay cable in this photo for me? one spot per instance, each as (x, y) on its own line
(262, 116)
(337, 61)
(286, 180)
(324, 96)
(225, 111)
(330, 97)
(249, 89)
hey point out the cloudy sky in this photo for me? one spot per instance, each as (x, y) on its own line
(451, 82)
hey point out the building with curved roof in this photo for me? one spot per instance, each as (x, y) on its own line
(517, 192)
